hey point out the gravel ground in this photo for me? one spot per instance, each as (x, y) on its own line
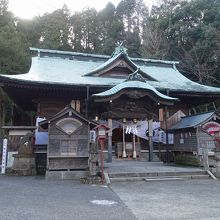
(34, 198)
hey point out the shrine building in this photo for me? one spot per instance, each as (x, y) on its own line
(71, 92)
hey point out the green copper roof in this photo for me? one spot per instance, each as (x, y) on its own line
(135, 82)
(71, 68)
(119, 54)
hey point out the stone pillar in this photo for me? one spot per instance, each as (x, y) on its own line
(217, 157)
(110, 140)
(150, 133)
(93, 159)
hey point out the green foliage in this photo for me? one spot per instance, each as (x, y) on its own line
(188, 31)
(55, 30)
(30, 29)
(14, 56)
(194, 39)
(110, 28)
(186, 159)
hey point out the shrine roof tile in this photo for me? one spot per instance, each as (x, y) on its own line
(134, 85)
(192, 121)
(64, 71)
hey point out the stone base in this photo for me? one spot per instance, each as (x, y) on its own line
(23, 166)
(66, 175)
(93, 179)
(217, 174)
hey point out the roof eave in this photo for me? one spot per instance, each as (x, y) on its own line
(151, 94)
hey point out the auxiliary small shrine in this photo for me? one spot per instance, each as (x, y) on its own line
(195, 135)
(68, 145)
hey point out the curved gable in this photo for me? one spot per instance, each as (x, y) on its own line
(118, 66)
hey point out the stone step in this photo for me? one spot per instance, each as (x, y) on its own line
(182, 177)
(155, 174)
(156, 158)
(163, 179)
(158, 178)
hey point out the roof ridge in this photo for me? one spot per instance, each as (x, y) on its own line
(203, 113)
(67, 52)
(44, 50)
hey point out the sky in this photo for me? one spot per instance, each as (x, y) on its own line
(30, 8)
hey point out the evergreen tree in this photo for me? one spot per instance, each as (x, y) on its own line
(110, 29)
(30, 29)
(55, 30)
(76, 32)
(14, 56)
(194, 39)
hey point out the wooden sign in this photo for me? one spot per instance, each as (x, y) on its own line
(92, 136)
(4, 155)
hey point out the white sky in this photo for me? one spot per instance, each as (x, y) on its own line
(31, 8)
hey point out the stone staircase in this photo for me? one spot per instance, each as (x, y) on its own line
(156, 158)
(156, 176)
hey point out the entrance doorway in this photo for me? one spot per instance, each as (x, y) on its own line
(125, 144)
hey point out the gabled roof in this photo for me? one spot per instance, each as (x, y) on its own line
(66, 110)
(135, 86)
(193, 121)
(119, 54)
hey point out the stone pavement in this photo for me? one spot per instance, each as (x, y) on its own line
(34, 198)
(134, 166)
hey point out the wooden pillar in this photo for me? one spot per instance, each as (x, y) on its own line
(3, 113)
(167, 136)
(38, 109)
(12, 113)
(134, 147)
(151, 147)
(1, 118)
(87, 101)
(110, 140)
(123, 142)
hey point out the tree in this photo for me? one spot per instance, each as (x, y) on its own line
(76, 34)
(14, 56)
(125, 11)
(110, 28)
(30, 29)
(134, 15)
(154, 44)
(90, 30)
(55, 30)
(85, 31)
(194, 39)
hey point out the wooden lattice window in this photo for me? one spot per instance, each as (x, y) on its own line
(68, 147)
(75, 104)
